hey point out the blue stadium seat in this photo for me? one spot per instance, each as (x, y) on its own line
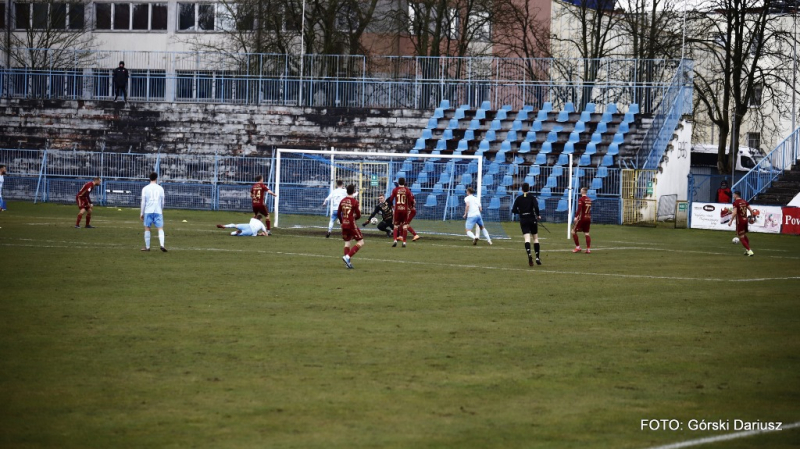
(527, 108)
(612, 108)
(441, 144)
(480, 114)
(516, 125)
(569, 107)
(534, 170)
(586, 116)
(444, 104)
(557, 128)
(483, 147)
(427, 134)
(591, 193)
(466, 179)
(629, 118)
(536, 126)
(596, 138)
(522, 115)
(511, 136)
(551, 182)
(400, 174)
(589, 107)
(460, 190)
(491, 136)
(488, 180)
(602, 172)
(542, 203)
(459, 114)
(545, 193)
(428, 167)
(423, 177)
(608, 160)
(507, 107)
(486, 105)
(512, 169)
(613, 149)
(585, 160)
(547, 147)
(447, 134)
(430, 201)
(494, 203)
(524, 148)
(453, 123)
(406, 165)
(469, 135)
(601, 127)
(619, 138)
(531, 180)
(505, 146)
(541, 159)
(563, 159)
(474, 124)
(437, 189)
(414, 151)
(501, 115)
(495, 125)
(416, 188)
(633, 108)
(591, 149)
(541, 116)
(420, 145)
(574, 136)
(552, 136)
(562, 205)
(484, 191)
(531, 136)
(563, 116)
(518, 159)
(597, 183)
(579, 127)
(493, 169)
(501, 191)
(438, 113)
(558, 170)
(580, 173)
(462, 146)
(547, 106)
(623, 128)
(472, 168)
(607, 117)
(508, 180)
(433, 122)
(569, 148)
(444, 178)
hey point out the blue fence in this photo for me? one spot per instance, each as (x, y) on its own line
(770, 168)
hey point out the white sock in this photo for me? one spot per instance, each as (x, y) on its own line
(471, 235)
(486, 234)
(147, 239)
(161, 237)
(229, 226)
(330, 225)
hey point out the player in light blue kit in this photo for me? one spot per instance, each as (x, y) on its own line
(152, 211)
(336, 197)
(2, 180)
(472, 212)
(253, 229)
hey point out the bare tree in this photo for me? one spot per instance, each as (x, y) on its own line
(744, 56)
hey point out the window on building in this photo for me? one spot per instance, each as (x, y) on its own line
(483, 28)
(2, 16)
(199, 16)
(42, 16)
(755, 99)
(754, 140)
(130, 16)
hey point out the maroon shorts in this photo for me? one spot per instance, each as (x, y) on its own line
(411, 215)
(83, 203)
(401, 217)
(351, 234)
(741, 226)
(583, 225)
(260, 209)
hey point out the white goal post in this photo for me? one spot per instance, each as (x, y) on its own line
(335, 158)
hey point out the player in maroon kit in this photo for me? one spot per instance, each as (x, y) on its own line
(258, 194)
(740, 209)
(403, 199)
(583, 220)
(349, 212)
(85, 202)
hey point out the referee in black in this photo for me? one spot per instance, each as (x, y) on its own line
(527, 207)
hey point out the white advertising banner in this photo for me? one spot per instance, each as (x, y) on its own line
(717, 215)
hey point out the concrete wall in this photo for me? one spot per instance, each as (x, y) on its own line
(673, 179)
(202, 128)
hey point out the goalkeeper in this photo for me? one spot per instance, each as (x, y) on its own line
(385, 210)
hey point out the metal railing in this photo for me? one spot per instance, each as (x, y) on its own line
(770, 168)
(342, 80)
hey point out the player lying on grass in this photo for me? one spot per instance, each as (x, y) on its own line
(253, 229)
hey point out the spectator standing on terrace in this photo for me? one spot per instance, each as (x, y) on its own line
(120, 78)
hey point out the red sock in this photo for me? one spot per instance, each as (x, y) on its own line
(588, 242)
(88, 218)
(346, 250)
(405, 234)
(394, 232)
(78, 223)
(269, 225)
(411, 230)
(745, 242)
(575, 238)
(354, 250)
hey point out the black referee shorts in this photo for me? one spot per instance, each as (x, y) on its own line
(529, 225)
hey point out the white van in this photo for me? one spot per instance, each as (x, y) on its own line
(704, 155)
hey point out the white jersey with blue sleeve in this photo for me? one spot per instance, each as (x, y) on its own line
(152, 199)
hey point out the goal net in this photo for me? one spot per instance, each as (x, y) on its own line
(304, 178)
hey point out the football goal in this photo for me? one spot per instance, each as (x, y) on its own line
(304, 178)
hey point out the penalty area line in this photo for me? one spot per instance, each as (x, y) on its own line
(730, 436)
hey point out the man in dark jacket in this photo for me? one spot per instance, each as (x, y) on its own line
(120, 78)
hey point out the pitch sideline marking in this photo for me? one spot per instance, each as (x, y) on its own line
(730, 436)
(619, 275)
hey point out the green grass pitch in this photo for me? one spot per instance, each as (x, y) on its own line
(230, 342)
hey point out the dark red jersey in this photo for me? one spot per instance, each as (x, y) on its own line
(258, 193)
(740, 210)
(402, 198)
(86, 190)
(584, 211)
(349, 213)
